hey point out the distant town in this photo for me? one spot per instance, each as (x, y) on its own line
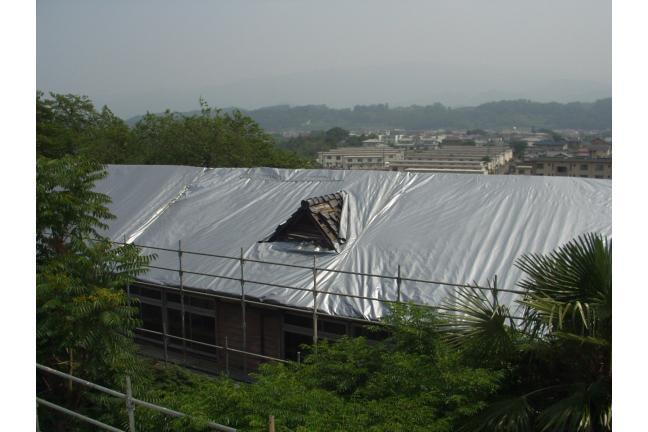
(565, 153)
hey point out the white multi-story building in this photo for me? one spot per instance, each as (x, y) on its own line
(458, 159)
(379, 157)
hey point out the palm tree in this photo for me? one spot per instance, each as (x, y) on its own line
(558, 351)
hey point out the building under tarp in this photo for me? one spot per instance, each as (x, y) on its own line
(408, 227)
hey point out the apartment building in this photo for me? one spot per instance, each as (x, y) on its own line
(600, 168)
(379, 157)
(441, 166)
(460, 159)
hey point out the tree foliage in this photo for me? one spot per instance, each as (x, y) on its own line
(492, 115)
(84, 318)
(308, 145)
(559, 350)
(70, 125)
(407, 382)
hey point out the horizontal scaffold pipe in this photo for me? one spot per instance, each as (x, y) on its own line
(115, 393)
(306, 310)
(319, 269)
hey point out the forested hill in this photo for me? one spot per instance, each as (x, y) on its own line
(492, 115)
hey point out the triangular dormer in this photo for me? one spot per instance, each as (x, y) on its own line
(316, 221)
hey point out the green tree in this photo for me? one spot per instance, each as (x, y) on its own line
(109, 141)
(558, 354)
(210, 139)
(335, 135)
(70, 125)
(62, 123)
(519, 147)
(84, 318)
(409, 381)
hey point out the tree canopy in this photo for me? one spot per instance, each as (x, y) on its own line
(492, 115)
(70, 125)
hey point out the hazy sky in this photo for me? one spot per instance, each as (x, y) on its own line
(141, 55)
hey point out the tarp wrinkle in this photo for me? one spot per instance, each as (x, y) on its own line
(455, 228)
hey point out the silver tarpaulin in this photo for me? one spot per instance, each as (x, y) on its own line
(456, 228)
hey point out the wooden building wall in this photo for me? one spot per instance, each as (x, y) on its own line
(270, 331)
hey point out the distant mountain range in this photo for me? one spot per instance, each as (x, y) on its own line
(492, 115)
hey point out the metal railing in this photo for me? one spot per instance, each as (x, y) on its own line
(317, 294)
(130, 403)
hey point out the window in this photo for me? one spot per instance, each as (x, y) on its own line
(172, 297)
(561, 170)
(599, 176)
(151, 317)
(331, 327)
(539, 166)
(303, 324)
(298, 320)
(150, 293)
(329, 157)
(337, 157)
(292, 344)
(197, 327)
(201, 302)
(583, 167)
(599, 167)
(201, 328)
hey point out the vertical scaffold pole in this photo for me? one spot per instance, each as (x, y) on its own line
(165, 341)
(128, 284)
(226, 356)
(182, 304)
(314, 304)
(398, 285)
(243, 317)
(129, 405)
(495, 293)
(38, 429)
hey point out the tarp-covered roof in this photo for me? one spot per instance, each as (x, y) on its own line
(456, 228)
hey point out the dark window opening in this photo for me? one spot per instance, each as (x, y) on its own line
(198, 327)
(331, 327)
(293, 343)
(201, 302)
(174, 321)
(150, 293)
(173, 298)
(298, 320)
(201, 329)
(151, 317)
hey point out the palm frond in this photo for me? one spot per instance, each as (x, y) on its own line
(585, 408)
(475, 321)
(570, 289)
(508, 415)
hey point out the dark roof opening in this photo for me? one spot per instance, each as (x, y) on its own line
(317, 221)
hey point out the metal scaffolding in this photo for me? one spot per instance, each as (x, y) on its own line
(317, 295)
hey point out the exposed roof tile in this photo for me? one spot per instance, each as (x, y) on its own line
(317, 220)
